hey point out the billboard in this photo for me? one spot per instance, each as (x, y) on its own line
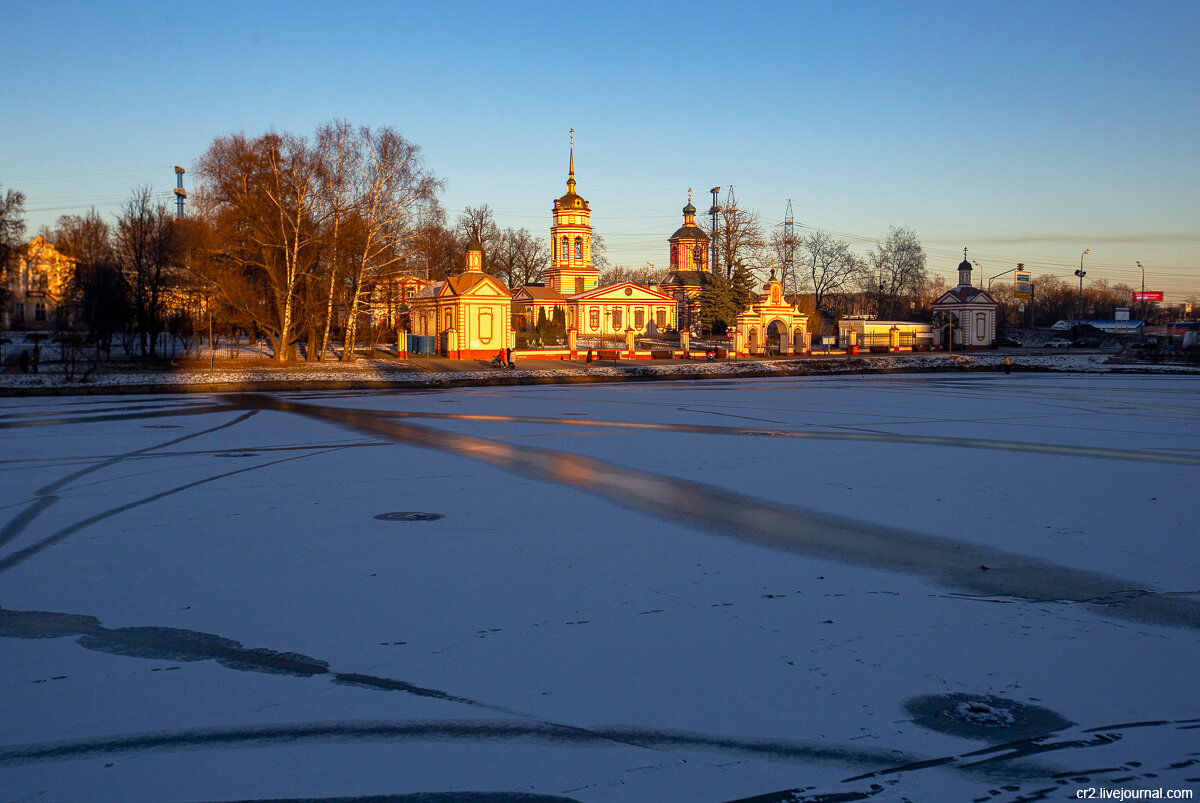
(1024, 287)
(1147, 295)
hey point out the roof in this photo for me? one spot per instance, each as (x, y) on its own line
(572, 200)
(689, 233)
(428, 291)
(698, 278)
(465, 282)
(539, 292)
(632, 293)
(965, 294)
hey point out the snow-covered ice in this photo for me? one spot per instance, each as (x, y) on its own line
(932, 587)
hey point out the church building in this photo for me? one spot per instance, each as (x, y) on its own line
(969, 311)
(690, 274)
(572, 281)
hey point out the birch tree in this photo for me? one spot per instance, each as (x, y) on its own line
(393, 196)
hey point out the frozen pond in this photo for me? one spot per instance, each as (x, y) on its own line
(950, 587)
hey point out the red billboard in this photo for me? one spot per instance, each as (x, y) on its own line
(1147, 295)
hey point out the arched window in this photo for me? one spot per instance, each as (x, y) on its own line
(616, 319)
(579, 248)
(566, 250)
(578, 284)
(697, 255)
(594, 318)
(661, 317)
(639, 317)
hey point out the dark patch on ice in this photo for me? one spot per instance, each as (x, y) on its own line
(485, 730)
(410, 515)
(985, 717)
(951, 562)
(175, 644)
(386, 684)
(236, 454)
(424, 797)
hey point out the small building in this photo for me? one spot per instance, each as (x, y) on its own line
(965, 315)
(897, 335)
(771, 326)
(468, 314)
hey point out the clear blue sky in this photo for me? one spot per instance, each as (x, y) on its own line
(1026, 132)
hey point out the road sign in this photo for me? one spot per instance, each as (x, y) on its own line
(1147, 295)
(1122, 313)
(1024, 287)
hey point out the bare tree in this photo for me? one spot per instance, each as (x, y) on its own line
(477, 223)
(520, 257)
(740, 238)
(337, 155)
(828, 265)
(12, 225)
(895, 269)
(263, 196)
(146, 249)
(393, 195)
(98, 287)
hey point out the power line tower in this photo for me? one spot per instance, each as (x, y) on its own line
(790, 285)
(714, 211)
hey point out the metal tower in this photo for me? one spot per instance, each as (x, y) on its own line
(180, 192)
(714, 211)
(790, 285)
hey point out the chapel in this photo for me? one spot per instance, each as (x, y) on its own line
(966, 314)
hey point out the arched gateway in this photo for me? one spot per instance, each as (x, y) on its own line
(771, 326)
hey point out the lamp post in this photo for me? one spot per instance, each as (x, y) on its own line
(1080, 273)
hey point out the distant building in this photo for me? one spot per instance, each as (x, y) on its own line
(966, 313)
(37, 284)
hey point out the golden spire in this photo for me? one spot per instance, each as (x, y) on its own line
(689, 195)
(571, 174)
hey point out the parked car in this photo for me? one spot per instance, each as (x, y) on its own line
(1087, 343)
(1057, 343)
(1008, 341)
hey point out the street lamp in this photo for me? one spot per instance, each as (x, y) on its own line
(1080, 273)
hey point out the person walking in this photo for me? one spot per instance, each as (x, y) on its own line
(1007, 365)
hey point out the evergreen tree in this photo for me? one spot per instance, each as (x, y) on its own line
(718, 309)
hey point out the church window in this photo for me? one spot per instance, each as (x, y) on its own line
(19, 312)
(639, 318)
(697, 255)
(674, 255)
(578, 284)
(616, 319)
(594, 318)
(449, 319)
(660, 317)
(566, 250)
(579, 248)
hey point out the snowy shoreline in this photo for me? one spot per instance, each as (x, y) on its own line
(382, 374)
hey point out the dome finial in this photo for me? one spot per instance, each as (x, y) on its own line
(572, 170)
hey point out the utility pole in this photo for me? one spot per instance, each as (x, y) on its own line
(1080, 273)
(714, 211)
